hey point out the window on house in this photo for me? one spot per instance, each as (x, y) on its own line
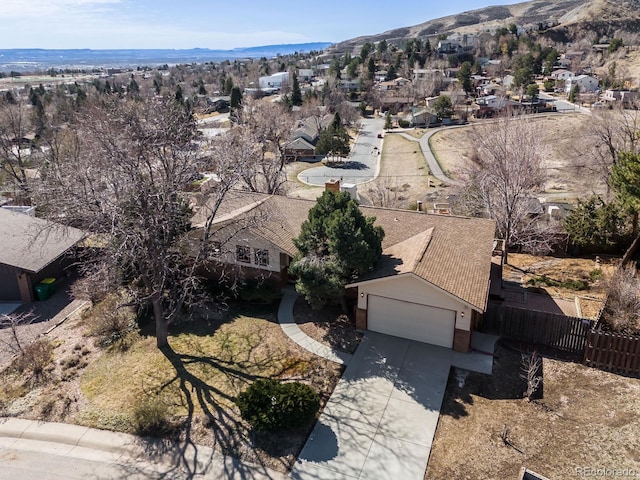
(262, 257)
(243, 254)
(216, 249)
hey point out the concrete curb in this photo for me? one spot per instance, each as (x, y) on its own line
(76, 441)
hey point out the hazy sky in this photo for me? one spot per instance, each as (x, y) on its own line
(101, 24)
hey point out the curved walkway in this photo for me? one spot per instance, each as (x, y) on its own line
(433, 164)
(292, 330)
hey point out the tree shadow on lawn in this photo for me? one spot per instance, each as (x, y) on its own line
(206, 320)
(207, 404)
(230, 435)
(506, 382)
(328, 325)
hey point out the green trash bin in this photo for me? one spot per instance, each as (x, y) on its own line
(42, 291)
(50, 283)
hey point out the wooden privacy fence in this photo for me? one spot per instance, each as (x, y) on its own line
(568, 334)
(613, 352)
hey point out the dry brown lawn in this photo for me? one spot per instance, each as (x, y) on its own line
(404, 173)
(585, 418)
(563, 135)
(210, 362)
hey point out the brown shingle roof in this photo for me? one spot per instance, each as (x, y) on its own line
(452, 253)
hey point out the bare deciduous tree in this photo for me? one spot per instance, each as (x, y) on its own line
(622, 309)
(504, 180)
(121, 173)
(263, 129)
(529, 370)
(609, 133)
(14, 127)
(12, 322)
(385, 192)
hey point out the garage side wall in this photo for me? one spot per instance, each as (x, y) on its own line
(412, 289)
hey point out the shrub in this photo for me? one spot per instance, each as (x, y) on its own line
(255, 291)
(269, 405)
(115, 325)
(622, 310)
(404, 123)
(35, 358)
(151, 419)
(595, 274)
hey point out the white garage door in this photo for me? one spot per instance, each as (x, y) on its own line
(411, 320)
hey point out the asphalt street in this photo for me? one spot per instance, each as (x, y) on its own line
(361, 166)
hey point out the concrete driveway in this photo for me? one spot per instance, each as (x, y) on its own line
(380, 420)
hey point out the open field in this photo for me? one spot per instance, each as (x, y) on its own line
(403, 174)
(564, 135)
(585, 418)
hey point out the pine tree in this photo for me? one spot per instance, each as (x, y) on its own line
(337, 243)
(296, 93)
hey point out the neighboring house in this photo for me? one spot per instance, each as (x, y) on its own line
(394, 84)
(380, 75)
(423, 74)
(31, 249)
(489, 88)
(305, 74)
(626, 98)
(448, 47)
(394, 103)
(577, 55)
(561, 74)
(431, 285)
(302, 143)
(298, 149)
(277, 81)
(323, 69)
(492, 101)
(585, 83)
(492, 105)
(219, 104)
(421, 117)
(349, 85)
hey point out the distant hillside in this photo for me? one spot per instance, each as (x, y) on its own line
(563, 20)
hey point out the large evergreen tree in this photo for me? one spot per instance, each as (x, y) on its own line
(464, 77)
(337, 243)
(296, 93)
(334, 140)
(625, 179)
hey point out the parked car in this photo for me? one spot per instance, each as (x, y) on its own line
(379, 135)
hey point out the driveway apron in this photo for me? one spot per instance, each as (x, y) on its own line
(382, 416)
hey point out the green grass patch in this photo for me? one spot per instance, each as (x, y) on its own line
(543, 280)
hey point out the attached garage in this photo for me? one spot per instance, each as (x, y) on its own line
(417, 321)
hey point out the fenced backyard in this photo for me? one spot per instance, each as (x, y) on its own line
(568, 334)
(613, 352)
(608, 351)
